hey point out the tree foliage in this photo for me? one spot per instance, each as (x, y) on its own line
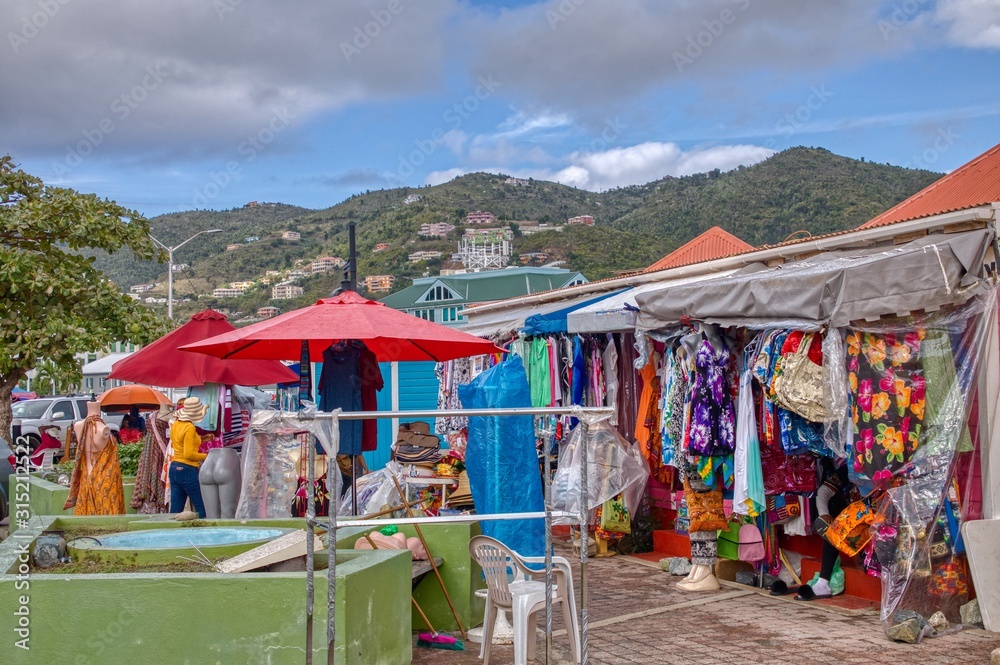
(53, 302)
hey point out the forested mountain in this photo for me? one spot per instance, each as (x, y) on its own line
(800, 189)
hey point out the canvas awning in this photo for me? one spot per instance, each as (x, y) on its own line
(556, 321)
(832, 288)
(618, 312)
(506, 321)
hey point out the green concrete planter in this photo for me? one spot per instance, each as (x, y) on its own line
(180, 544)
(48, 498)
(199, 617)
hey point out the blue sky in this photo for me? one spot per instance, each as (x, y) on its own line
(211, 105)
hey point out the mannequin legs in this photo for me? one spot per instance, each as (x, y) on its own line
(221, 481)
(704, 548)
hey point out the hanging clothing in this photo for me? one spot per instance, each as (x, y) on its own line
(148, 497)
(713, 420)
(538, 373)
(209, 396)
(888, 400)
(579, 371)
(301, 501)
(340, 388)
(748, 490)
(371, 383)
(98, 491)
(609, 361)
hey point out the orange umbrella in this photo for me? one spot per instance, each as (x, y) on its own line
(124, 397)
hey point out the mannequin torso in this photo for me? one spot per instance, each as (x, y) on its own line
(98, 440)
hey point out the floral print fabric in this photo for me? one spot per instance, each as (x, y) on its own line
(888, 398)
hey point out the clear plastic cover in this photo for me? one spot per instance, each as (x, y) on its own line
(613, 467)
(376, 492)
(270, 454)
(910, 387)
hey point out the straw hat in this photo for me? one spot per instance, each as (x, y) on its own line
(192, 410)
(462, 496)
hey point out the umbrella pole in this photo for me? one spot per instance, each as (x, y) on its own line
(310, 556)
(354, 485)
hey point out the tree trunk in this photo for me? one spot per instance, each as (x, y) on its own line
(7, 384)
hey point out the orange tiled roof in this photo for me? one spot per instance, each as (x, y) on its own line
(974, 184)
(714, 243)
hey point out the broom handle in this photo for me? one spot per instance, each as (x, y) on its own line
(415, 604)
(430, 558)
(791, 571)
(405, 504)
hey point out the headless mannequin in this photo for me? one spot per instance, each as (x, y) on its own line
(101, 437)
(221, 482)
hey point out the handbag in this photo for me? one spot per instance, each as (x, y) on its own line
(705, 509)
(851, 530)
(751, 545)
(798, 386)
(783, 508)
(615, 517)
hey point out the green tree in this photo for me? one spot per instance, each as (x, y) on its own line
(53, 302)
(50, 378)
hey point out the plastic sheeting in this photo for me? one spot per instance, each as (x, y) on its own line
(272, 445)
(376, 492)
(911, 383)
(614, 467)
(834, 287)
(501, 459)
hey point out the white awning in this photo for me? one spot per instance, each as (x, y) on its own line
(102, 366)
(618, 312)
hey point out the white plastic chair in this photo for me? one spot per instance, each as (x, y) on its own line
(511, 585)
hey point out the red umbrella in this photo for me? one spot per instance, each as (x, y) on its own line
(162, 364)
(390, 334)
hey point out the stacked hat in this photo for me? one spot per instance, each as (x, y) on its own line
(462, 496)
(416, 445)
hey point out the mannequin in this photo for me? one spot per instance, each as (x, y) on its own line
(101, 437)
(221, 481)
(96, 482)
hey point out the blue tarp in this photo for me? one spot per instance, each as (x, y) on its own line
(501, 460)
(555, 322)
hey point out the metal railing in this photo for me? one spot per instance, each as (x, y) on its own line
(333, 523)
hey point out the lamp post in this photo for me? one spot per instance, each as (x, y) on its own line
(170, 266)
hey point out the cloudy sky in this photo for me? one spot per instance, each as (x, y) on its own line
(196, 104)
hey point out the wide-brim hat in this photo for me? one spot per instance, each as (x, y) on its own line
(192, 410)
(417, 433)
(462, 496)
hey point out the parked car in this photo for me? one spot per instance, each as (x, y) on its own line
(56, 412)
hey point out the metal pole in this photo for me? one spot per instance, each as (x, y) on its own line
(584, 539)
(170, 284)
(452, 413)
(331, 570)
(547, 434)
(310, 535)
(354, 485)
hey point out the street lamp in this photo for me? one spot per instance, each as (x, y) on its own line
(170, 266)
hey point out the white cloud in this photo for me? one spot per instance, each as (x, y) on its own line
(638, 164)
(441, 177)
(455, 140)
(971, 23)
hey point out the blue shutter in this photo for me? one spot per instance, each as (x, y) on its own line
(418, 389)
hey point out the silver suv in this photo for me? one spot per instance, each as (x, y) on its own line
(60, 412)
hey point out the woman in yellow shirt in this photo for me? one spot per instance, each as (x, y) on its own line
(184, 467)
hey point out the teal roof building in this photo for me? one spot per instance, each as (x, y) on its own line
(441, 299)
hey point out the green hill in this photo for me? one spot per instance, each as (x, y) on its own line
(799, 189)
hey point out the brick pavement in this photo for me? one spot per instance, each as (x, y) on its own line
(637, 615)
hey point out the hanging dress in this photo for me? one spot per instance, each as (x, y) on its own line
(148, 497)
(100, 491)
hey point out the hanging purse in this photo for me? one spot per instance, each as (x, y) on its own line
(783, 508)
(799, 385)
(851, 530)
(751, 544)
(615, 517)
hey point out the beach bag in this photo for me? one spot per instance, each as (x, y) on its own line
(751, 548)
(705, 510)
(615, 517)
(851, 530)
(799, 385)
(783, 508)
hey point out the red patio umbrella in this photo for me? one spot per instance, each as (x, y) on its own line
(163, 364)
(390, 334)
